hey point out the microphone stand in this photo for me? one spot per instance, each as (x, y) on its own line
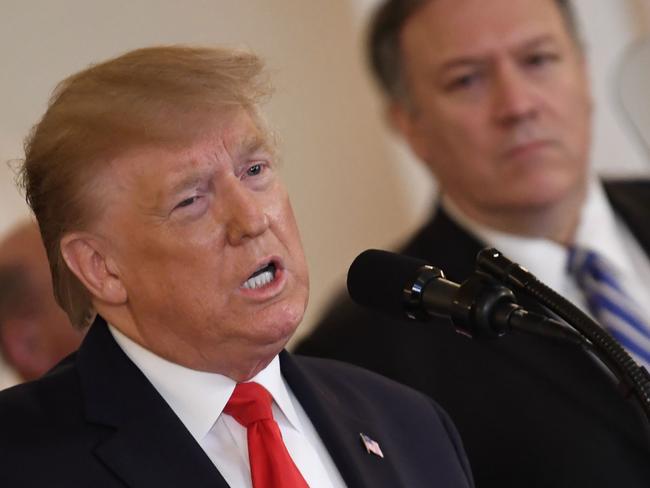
(480, 307)
(634, 379)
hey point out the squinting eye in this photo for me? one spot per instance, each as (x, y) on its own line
(539, 59)
(187, 202)
(254, 170)
(464, 81)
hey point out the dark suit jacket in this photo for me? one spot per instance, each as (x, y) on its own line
(531, 412)
(95, 421)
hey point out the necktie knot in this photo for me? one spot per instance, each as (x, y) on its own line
(270, 462)
(249, 403)
(589, 267)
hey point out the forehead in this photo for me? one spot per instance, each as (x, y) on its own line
(447, 28)
(222, 136)
(152, 171)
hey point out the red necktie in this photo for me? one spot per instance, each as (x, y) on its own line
(271, 464)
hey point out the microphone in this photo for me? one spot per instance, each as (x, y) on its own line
(481, 307)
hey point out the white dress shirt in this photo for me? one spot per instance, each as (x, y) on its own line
(599, 229)
(198, 399)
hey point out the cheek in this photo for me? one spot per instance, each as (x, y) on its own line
(459, 149)
(288, 233)
(570, 99)
(458, 131)
(152, 261)
(581, 118)
(290, 228)
(572, 124)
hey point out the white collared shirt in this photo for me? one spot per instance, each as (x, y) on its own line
(599, 229)
(198, 399)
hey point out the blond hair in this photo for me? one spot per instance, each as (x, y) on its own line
(147, 96)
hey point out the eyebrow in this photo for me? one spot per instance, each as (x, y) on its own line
(185, 183)
(253, 144)
(537, 41)
(248, 145)
(479, 59)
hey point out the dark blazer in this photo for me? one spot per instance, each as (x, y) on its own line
(531, 412)
(96, 421)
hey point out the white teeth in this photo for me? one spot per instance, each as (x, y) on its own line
(259, 280)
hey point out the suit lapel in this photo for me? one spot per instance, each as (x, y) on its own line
(432, 244)
(339, 428)
(147, 444)
(631, 201)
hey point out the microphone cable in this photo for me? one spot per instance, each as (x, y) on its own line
(634, 379)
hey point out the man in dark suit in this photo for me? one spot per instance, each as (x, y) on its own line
(154, 182)
(493, 97)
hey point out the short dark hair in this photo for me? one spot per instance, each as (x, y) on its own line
(383, 47)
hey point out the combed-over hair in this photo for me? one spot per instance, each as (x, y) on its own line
(156, 95)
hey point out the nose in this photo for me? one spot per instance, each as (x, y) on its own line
(245, 214)
(513, 95)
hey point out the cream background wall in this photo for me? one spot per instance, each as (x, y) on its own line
(353, 185)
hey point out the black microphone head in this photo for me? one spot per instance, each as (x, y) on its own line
(377, 279)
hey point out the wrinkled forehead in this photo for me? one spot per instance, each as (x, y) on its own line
(187, 144)
(180, 129)
(176, 131)
(214, 141)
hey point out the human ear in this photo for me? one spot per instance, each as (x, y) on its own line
(88, 258)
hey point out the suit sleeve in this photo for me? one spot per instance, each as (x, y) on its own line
(456, 441)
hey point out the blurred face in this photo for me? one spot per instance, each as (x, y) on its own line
(500, 103)
(205, 243)
(37, 334)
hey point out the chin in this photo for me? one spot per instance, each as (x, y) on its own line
(280, 323)
(546, 190)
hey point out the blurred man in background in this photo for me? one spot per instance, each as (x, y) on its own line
(35, 332)
(493, 97)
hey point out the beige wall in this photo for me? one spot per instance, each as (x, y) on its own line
(609, 27)
(353, 185)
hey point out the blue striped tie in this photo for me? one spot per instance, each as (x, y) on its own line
(609, 304)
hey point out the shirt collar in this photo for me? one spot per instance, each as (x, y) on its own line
(599, 230)
(546, 259)
(199, 397)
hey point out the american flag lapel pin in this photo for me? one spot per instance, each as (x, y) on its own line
(371, 445)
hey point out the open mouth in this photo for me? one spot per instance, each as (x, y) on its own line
(261, 277)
